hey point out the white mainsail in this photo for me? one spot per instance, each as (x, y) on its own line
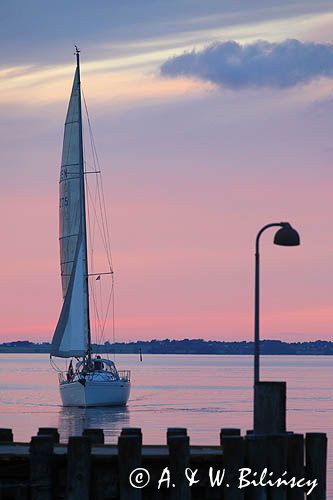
(71, 337)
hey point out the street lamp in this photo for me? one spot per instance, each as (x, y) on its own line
(285, 236)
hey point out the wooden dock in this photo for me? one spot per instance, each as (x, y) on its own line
(86, 468)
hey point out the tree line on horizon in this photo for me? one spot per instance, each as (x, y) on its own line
(187, 346)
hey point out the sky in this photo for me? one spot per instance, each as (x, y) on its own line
(211, 119)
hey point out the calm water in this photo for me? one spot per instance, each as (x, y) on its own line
(202, 393)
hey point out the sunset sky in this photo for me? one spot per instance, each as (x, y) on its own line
(198, 151)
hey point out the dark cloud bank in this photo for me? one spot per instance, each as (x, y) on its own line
(259, 64)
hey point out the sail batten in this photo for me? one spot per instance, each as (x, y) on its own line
(71, 337)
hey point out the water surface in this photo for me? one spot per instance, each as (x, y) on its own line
(200, 392)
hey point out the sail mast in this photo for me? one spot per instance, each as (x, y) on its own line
(83, 202)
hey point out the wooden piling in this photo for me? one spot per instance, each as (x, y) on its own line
(49, 431)
(41, 473)
(6, 436)
(129, 459)
(176, 431)
(96, 436)
(277, 463)
(229, 431)
(316, 463)
(255, 459)
(269, 413)
(78, 468)
(295, 464)
(179, 459)
(131, 431)
(233, 447)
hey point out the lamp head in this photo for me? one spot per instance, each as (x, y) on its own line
(287, 236)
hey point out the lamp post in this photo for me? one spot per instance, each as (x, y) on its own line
(285, 236)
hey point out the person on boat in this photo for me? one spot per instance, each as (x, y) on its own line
(70, 372)
(98, 364)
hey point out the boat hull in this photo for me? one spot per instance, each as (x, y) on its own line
(95, 393)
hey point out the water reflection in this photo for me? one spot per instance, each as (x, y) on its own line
(72, 421)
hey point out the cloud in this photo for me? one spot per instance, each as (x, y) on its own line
(259, 64)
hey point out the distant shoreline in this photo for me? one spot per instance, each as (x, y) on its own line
(185, 346)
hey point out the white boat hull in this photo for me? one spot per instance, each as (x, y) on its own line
(95, 393)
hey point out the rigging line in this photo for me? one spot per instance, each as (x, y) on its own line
(96, 161)
(104, 320)
(95, 212)
(91, 231)
(96, 310)
(100, 295)
(97, 319)
(103, 324)
(105, 232)
(96, 219)
(93, 203)
(96, 326)
(107, 311)
(97, 315)
(108, 305)
(111, 296)
(112, 291)
(113, 324)
(91, 234)
(88, 214)
(103, 223)
(103, 212)
(91, 252)
(102, 208)
(90, 135)
(86, 188)
(99, 227)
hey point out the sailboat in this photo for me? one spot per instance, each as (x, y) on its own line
(89, 380)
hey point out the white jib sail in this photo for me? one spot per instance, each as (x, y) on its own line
(71, 334)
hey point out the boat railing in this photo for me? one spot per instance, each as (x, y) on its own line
(125, 375)
(62, 376)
